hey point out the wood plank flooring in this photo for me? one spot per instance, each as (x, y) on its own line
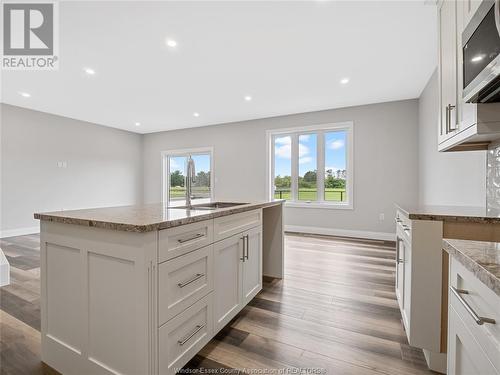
(335, 310)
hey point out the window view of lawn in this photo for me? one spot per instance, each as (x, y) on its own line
(334, 195)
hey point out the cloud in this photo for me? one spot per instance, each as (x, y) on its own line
(305, 160)
(303, 150)
(337, 144)
(284, 151)
(283, 148)
(283, 140)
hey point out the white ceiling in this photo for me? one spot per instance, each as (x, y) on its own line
(289, 56)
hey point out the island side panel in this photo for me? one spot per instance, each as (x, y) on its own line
(273, 242)
(98, 303)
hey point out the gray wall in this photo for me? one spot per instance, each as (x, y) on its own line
(385, 163)
(104, 166)
(449, 178)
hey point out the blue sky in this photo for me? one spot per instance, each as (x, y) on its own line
(201, 162)
(334, 147)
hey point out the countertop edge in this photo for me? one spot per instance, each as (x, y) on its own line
(143, 228)
(484, 275)
(456, 218)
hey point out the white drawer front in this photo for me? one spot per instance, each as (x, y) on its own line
(227, 226)
(183, 281)
(181, 240)
(484, 302)
(183, 336)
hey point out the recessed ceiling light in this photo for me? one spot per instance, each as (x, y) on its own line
(344, 80)
(137, 124)
(477, 58)
(171, 43)
(196, 114)
(248, 98)
(89, 71)
(25, 94)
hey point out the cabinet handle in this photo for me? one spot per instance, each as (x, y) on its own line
(191, 280)
(478, 319)
(449, 108)
(197, 235)
(397, 250)
(197, 329)
(246, 246)
(244, 243)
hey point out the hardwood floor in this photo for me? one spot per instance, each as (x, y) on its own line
(335, 310)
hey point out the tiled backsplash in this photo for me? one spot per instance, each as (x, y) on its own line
(493, 181)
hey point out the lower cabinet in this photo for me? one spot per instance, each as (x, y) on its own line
(465, 356)
(238, 273)
(184, 336)
(473, 324)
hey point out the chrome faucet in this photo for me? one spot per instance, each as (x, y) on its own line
(190, 179)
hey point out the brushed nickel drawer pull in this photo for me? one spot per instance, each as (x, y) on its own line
(191, 280)
(246, 246)
(478, 319)
(197, 329)
(197, 235)
(243, 258)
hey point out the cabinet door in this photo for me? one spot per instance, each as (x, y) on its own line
(252, 265)
(465, 356)
(399, 271)
(406, 247)
(228, 255)
(447, 17)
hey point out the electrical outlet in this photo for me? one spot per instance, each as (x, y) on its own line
(381, 217)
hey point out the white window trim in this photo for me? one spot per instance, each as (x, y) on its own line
(320, 129)
(165, 175)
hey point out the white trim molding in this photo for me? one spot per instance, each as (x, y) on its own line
(320, 130)
(19, 232)
(383, 236)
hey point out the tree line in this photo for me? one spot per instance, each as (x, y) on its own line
(309, 181)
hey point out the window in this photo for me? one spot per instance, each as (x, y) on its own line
(296, 156)
(175, 171)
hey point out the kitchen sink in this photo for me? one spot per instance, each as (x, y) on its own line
(209, 206)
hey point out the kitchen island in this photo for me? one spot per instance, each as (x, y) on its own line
(141, 289)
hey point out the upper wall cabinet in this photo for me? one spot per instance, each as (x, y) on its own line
(462, 125)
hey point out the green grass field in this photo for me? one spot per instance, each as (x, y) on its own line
(180, 192)
(334, 195)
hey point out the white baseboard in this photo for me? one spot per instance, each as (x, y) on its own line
(341, 232)
(19, 232)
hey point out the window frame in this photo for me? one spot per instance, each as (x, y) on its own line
(185, 152)
(320, 130)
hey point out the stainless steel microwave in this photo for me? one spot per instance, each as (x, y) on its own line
(481, 55)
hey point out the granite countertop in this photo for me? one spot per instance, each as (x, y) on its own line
(480, 257)
(463, 214)
(145, 218)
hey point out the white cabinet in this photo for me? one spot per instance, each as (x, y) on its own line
(473, 324)
(465, 356)
(462, 126)
(238, 273)
(252, 265)
(447, 21)
(418, 285)
(228, 255)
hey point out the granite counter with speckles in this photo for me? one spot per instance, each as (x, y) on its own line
(451, 214)
(145, 218)
(480, 257)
